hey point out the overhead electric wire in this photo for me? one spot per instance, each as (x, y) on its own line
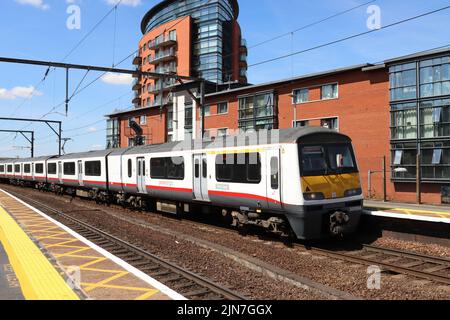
(351, 37)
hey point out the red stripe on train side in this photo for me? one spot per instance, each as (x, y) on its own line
(242, 195)
(161, 188)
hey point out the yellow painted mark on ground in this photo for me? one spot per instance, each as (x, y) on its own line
(39, 280)
(414, 211)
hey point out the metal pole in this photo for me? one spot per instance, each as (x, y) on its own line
(369, 185)
(67, 91)
(418, 179)
(202, 106)
(32, 144)
(384, 180)
(59, 138)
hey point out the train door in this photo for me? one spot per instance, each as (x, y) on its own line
(60, 172)
(80, 173)
(140, 176)
(32, 171)
(274, 179)
(200, 177)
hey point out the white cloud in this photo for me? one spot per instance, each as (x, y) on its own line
(97, 147)
(19, 92)
(35, 3)
(132, 3)
(92, 129)
(117, 78)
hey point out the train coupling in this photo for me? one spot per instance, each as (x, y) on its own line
(338, 222)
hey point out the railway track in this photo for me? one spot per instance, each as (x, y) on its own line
(389, 260)
(190, 285)
(397, 261)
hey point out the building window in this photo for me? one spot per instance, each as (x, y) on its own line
(404, 121)
(301, 96)
(222, 132)
(222, 108)
(93, 168)
(170, 120)
(143, 120)
(330, 123)
(207, 111)
(130, 120)
(435, 118)
(112, 133)
(173, 35)
(435, 77)
(403, 80)
(257, 112)
(301, 124)
(329, 91)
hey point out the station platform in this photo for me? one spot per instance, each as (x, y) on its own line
(426, 213)
(41, 259)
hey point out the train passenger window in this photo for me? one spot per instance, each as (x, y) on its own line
(39, 168)
(27, 168)
(274, 173)
(69, 168)
(205, 168)
(175, 168)
(17, 168)
(158, 168)
(130, 168)
(51, 168)
(197, 168)
(2, 168)
(239, 168)
(10, 168)
(93, 168)
(171, 168)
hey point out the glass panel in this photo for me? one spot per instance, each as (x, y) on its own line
(398, 157)
(437, 156)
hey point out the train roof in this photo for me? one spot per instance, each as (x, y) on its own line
(43, 158)
(88, 154)
(262, 137)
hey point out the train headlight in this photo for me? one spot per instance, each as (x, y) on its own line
(353, 192)
(313, 196)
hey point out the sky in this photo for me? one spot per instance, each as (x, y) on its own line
(37, 29)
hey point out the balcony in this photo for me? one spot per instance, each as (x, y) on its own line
(168, 70)
(137, 60)
(157, 102)
(163, 56)
(162, 41)
(138, 72)
(137, 99)
(136, 85)
(157, 88)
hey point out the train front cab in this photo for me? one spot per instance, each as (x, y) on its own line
(330, 187)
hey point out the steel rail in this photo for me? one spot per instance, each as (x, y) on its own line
(209, 286)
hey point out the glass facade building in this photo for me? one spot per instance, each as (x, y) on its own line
(420, 119)
(212, 39)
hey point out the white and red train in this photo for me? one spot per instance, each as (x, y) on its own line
(303, 181)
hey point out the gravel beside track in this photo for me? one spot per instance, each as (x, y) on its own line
(344, 276)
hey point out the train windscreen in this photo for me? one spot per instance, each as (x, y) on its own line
(327, 159)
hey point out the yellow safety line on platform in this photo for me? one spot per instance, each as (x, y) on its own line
(413, 211)
(39, 280)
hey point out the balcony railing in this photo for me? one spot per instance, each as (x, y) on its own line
(166, 70)
(157, 88)
(163, 41)
(137, 60)
(157, 102)
(163, 55)
(136, 85)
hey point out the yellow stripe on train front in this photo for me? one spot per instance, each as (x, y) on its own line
(332, 186)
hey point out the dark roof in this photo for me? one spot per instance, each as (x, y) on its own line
(165, 3)
(306, 76)
(292, 135)
(89, 154)
(420, 54)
